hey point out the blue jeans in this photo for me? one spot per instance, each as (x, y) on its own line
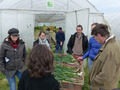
(90, 62)
(12, 81)
(59, 46)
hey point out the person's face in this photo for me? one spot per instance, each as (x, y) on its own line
(99, 38)
(92, 27)
(14, 38)
(79, 30)
(42, 36)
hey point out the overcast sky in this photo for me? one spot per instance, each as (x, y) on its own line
(107, 6)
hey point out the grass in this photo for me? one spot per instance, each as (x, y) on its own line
(4, 83)
(86, 79)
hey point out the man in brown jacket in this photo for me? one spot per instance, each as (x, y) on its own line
(105, 71)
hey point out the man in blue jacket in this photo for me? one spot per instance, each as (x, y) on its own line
(93, 49)
(60, 38)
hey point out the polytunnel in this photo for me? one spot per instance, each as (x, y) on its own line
(25, 14)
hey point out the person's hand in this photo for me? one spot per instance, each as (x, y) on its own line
(61, 43)
(73, 54)
(80, 58)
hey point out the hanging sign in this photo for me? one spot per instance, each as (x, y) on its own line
(50, 4)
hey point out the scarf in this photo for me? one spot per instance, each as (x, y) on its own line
(44, 41)
(14, 45)
(60, 31)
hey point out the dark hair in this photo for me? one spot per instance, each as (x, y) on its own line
(94, 24)
(40, 61)
(79, 26)
(48, 29)
(60, 28)
(101, 29)
(10, 40)
(42, 32)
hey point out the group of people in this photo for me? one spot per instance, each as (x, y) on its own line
(46, 38)
(103, 52)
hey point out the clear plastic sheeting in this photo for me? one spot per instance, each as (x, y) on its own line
(83, 19)
(47, 4)
(94, 17)
(114, 21)
(49, 18)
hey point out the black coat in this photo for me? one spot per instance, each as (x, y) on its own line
(45, 83)
(36, 42)
(72, 41)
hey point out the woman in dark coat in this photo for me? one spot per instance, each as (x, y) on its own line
(42, 39)
(12, 57)
(39, 75)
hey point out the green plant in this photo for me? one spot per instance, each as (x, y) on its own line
(63, 58)
(28, 51)
(37, 27)
(119, 84)
(64, 73)
(86, 79)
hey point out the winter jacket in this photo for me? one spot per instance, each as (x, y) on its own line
(105, 70)
(12, 60)
(93, 49)
(60, 37)
(72, 41)
(47, 82)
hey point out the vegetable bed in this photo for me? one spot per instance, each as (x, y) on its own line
(68, 71)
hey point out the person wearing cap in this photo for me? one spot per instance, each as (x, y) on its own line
(12, 57)
(60, 38)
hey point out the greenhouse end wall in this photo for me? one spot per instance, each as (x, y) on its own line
(22, 20)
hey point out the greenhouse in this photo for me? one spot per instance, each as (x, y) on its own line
(70, 70)
(26, 14)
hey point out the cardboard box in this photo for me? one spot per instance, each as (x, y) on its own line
(71, 86)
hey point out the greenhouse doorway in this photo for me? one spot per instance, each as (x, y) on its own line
(52, 21)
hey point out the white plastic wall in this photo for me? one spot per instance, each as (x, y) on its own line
(114, 21)
(94, 18)
(42, 4)
(26, 27)
(9, 20)
(24, 21)
(83, 19)
(99, 18)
